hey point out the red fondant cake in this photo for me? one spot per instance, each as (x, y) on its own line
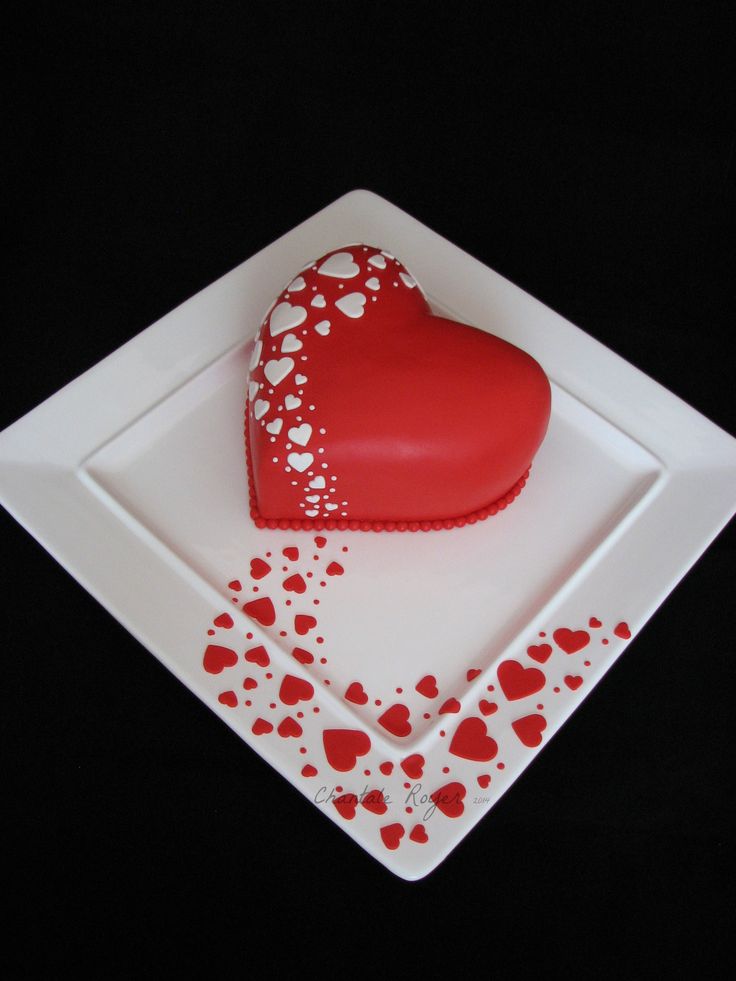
(366, 411)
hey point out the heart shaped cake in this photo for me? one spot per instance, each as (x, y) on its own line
(366, 411)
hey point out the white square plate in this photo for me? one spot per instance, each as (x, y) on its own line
(440, 662)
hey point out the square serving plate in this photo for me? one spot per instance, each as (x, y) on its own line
(406, 679)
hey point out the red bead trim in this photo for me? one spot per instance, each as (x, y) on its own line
(352, 524)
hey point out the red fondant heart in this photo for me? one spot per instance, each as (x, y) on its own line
(344, 746)
(396, 720)
(295, 584)
(392, 835)
(428, 686)
(258, 655)
(373, 801)
(518, 681)
(334, 569)
(472, 742)
(309, 770)
(289, 727)
(539, 652)
(419, 834)
(217, 658)
(397, 394)
(413, 766)
(571, 641)
(295, 690)
(622, 630)
(355, 694)
(530, 729)
(595, 623)
(259, 568)
(346, 805)
(449, 799)
(224, 620)
(303, 623)
(486, 707)
(484, 780)
(228, 698)
(261, 610)
(302, 656)
(472, 674)
(291, 553)
(250, 683)
(573, 681)
(450, 706)
(386, 769)
(261, 727)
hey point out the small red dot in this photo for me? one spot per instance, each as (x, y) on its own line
(211, 633)
(320, 640)
(406, 786)
(316, 558)
(344, 548)
(248, 703)
(235, 599)
(249, 636)
(604, 641)
(255, 589)
(540, 707)
(323, 660)
(269, 675)
(268, 555)
(542, 633)
(442, 732)
(284, 568)
(316, 602)
(288, 602)
(323, 584)
(272, 705)
(557, 690)
(427, 715)
(399, 691)
(282, 633)
(327, 681)
(302, 749)
(586, 663)
(490, 687)
(366, 773)
(378, 701)
(300, 715)
(409, 810)
(445, 769)
(500, 766)
(309, 575)
(338, 788)
(315, 709)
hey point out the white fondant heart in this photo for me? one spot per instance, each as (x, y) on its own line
(317, 483)
(296, 284)
(276, 371)
(285, 316)
(407, 280)
(301, 434)
(312, 514)
(330, 507)
(351, 305)
(300, 379)
(290, 344)
(252, 390)
(340, 265)
(275, 427)
(318, 301)
(323, 327)
(378, 261)
(292, 402)
(312, 498)
(256, 355)
(260, 408)
(373, 283)
(300, 461)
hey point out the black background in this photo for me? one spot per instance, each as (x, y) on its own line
(588, 157)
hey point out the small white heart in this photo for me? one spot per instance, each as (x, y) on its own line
(317, 483)
(300, 379)
(275, 427)
(260, 408)
(296, 284)
(252, 390)
(301, 434)
(276, 371)
(378, 261)
(285, 316)
(311, 514)
(373, 283)
(290, 344)
(312, 498)
(300, 461)
(340, 265)
(330, 507)
(256, 355)
(318, 301)
(352, 305)
(292, 402)
(407, 280)
(323, 327)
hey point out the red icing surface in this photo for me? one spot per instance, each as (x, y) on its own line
(399, 393)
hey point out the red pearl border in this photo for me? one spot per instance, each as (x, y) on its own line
(352, 524)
